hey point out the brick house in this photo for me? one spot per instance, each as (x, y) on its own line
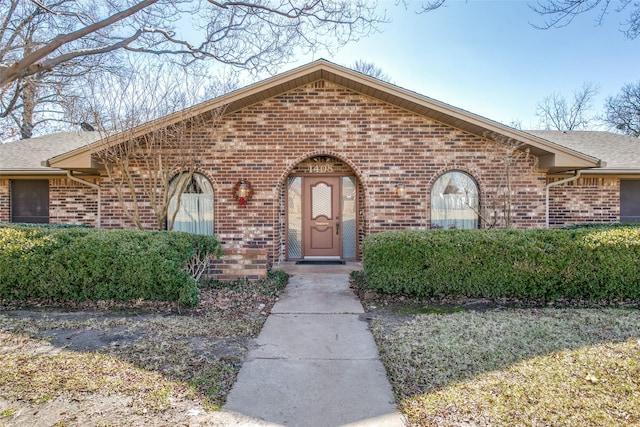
(328, 156)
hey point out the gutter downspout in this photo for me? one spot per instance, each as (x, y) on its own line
(92, 185)
(556, 183)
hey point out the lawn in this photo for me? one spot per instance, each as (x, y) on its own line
(449, 365)
(139, 363)
(513, 366)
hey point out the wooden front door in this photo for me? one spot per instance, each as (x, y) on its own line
(321, 220)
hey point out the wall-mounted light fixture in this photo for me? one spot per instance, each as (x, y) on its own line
(242, 192)
(400, 189)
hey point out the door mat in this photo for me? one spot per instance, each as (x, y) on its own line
(320, 262)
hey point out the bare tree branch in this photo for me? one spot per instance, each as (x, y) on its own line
(9, 106)
(622, 112)
(370, 69)
(37, 100)
(140, 168)
(556, 112)
(560, 13)
(31, 63)
(43, 44)
(516, 161)
(247, 34)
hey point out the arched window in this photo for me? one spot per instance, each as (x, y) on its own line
(455, 201)
(195, 212)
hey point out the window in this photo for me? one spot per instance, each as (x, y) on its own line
(294, 223)
(349, 217)
(630, 200)
(454, 201)
(195, 212)
(30, 200)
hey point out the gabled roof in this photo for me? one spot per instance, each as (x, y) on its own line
(24, 157)
(551, 156)
(620, 153)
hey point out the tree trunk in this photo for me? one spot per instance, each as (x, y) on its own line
(28, 95)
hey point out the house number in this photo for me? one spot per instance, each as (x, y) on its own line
(320, 168)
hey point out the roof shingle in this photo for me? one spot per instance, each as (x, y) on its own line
(620, 153)
(27, 155)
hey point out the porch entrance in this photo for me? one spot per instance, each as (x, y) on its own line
(321, 220)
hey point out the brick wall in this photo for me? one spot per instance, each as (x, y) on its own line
(71, 202)
(378, 143)
(240, 263)
(5, 202)
(587, 200)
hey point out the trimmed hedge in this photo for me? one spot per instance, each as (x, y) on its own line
(77, 263)
(586, 263)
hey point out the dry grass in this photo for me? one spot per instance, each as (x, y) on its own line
(38, 377)
(145, 360)
(202, 352)
(529, 367)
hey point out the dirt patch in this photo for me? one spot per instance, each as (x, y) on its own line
(112, 410)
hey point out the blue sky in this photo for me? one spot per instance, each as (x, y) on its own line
(484, 56)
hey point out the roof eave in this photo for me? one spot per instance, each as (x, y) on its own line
(80, 159)
(7, 173)
(630, 171)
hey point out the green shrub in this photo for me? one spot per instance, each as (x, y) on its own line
(75, 263)
(588, 262)
(359, 281)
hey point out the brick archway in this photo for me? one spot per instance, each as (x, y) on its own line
(320, 163)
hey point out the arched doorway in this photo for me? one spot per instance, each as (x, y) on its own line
(321, 210)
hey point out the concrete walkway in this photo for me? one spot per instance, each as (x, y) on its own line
(315, 363)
